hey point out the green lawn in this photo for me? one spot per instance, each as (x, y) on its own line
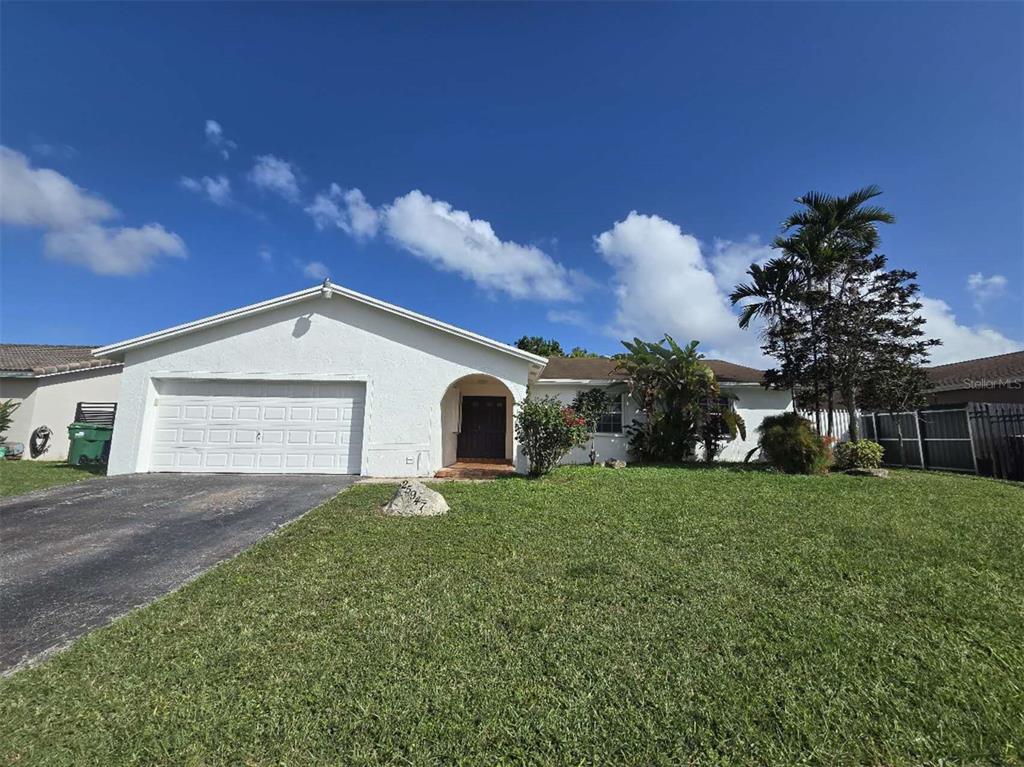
(17, 477)
(641, 616)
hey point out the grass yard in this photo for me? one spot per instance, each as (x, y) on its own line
(641, 616)
(17, 477)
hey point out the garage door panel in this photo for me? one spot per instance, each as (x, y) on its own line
(253, 426)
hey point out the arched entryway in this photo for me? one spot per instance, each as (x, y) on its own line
(476, 421)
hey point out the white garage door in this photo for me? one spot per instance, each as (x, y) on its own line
(265, 427)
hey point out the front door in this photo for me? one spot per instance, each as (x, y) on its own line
(483, 428)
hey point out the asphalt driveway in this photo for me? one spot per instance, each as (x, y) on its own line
(73, 558)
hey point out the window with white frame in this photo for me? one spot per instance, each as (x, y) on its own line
(610, 421)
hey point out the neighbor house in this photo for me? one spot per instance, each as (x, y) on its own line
(327, 380)
(49, 382)
(986, 379)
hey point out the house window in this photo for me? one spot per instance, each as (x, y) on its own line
(610, 421)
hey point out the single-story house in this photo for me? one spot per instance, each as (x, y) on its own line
(328, 380)
(49, 382)
(563, 377)
(987, 379)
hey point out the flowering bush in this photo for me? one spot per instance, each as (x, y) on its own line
(546, 430)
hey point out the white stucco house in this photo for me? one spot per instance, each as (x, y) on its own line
(327, 380)
(48, 382)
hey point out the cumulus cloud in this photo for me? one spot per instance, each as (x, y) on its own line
(347, 210)
(730, 260)
(273, 174)
(45, 199)
(984, 289)
(113, 251)
(453, 241)
(216, 190)
(664, 284)
(215, 138)
(961, 342)
(316, 270)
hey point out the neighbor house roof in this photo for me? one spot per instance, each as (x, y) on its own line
(605, 369)
(31, 360)
(327, 289)
(985, 372)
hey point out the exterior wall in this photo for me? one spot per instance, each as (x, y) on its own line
(23, 391)
(408, 368)
(605, 445)
(53, 401)
(753, 403)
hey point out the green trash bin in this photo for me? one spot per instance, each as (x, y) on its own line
(89, 443)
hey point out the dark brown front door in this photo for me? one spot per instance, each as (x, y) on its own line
(483, 428)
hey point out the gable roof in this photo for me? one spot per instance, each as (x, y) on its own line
(1000, 370)
(327, 289)
(33, 360)
(605, 369)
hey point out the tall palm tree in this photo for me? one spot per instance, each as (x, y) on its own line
(832, 235)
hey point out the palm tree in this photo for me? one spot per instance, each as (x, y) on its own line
(770, 290)
(833, 233)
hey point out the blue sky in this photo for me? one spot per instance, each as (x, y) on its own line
(577, 171)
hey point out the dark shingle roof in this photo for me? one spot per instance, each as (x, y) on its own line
(43, 359)
(986, 372)
(604, 368)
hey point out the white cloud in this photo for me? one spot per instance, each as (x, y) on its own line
(275, 175)
(266, 256)
(113, 251)
(46, 149)
(960, 342)
(44, 198)
(453, 241)
(316, 270)
(347, 210)
(215, 137)
(568, 317)
(984, 289)
(663, 284)
(730, 260)
(216, 190)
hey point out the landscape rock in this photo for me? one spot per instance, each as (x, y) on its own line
(614, 463)
(880, 473)
(414, 499)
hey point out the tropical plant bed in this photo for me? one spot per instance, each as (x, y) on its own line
(17, 477)
(640, 616)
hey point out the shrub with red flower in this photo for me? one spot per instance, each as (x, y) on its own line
(547, 430)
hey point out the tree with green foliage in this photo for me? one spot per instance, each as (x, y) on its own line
(680, 402)
(828, 306)
(545, 347)
(579, 351)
